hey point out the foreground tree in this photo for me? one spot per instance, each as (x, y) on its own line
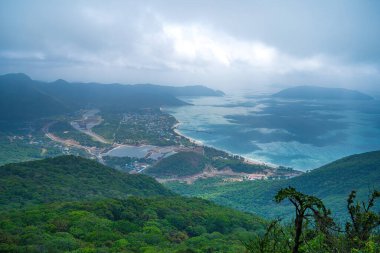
(363, 220)
(275, 239)
(306, 206)
(359, 236)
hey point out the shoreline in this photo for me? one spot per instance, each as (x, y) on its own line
(200, 143)
(192, 140)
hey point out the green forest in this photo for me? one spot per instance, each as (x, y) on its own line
(332, 183)
(73, 204)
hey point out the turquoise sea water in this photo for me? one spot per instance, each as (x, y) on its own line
(303, 134)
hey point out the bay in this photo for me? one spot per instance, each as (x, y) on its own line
(302, 134)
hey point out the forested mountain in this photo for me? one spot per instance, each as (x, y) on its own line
(22, 98)
(112, 212)
(69, 178)
(190, 163)
(163, 224)
(332, 183)
(179, 165)
(314, 92)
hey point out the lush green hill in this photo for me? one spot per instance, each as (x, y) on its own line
(68, 178)
(332, 182)
(188, 163)
(314, 92)
(164, 224)
(36, 216)
(178, 165)
(359, 172)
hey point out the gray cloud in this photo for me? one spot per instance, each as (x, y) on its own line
(222, 44)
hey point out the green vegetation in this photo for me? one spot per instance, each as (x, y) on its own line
(305, 206)
(23, 147)
(332, 183)
(237, 195)
(22, 98)
(221, 160)
(363, 220)
(124, 163)
(113, 212)
(146, 126)
(170, 224)
(190, 163)
(69, 178)
(22, 141)
(314, 230)
(178, 165)
(64, 130)
(108, 127)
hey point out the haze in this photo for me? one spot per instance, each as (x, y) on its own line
(222, 44)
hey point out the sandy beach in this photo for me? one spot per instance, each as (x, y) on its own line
(175, 130)
(200, 143)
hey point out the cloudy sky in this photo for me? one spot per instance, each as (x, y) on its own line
(221, 44)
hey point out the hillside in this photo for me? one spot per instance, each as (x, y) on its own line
(332, 183)
(22, 98)
(208, 162)
(105, 217)
(194, 90)
(179, 165)
(69, 178)
(170, 224)
(314, 92)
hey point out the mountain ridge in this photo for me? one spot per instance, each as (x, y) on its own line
(22, 98)
(317, 92)
(70, 178)
(332, 183)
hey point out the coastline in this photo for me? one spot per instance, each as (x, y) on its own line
(200, 143)
(192, 140)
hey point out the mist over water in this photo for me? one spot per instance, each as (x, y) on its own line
(303, 134)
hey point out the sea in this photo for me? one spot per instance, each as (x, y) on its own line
(296, 133)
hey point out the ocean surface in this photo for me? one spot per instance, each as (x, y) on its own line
(302, 134)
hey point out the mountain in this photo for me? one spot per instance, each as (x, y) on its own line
(314, 92)
(162, 224)
(71, 204)
(356, 172)
(68, 178)
(194, 90)
(332, 183)
(190, 163)
(178, 165)
(22, 98)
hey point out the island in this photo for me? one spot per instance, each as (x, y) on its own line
(316, 92)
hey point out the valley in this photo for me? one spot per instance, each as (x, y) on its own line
(125, 128)
(144, 139)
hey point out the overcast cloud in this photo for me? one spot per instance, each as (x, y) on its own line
(221, 44)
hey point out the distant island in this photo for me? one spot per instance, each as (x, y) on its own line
(315, 92)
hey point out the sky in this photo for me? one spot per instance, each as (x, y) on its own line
(228, 45)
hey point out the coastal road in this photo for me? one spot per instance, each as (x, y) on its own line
(71, 143)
